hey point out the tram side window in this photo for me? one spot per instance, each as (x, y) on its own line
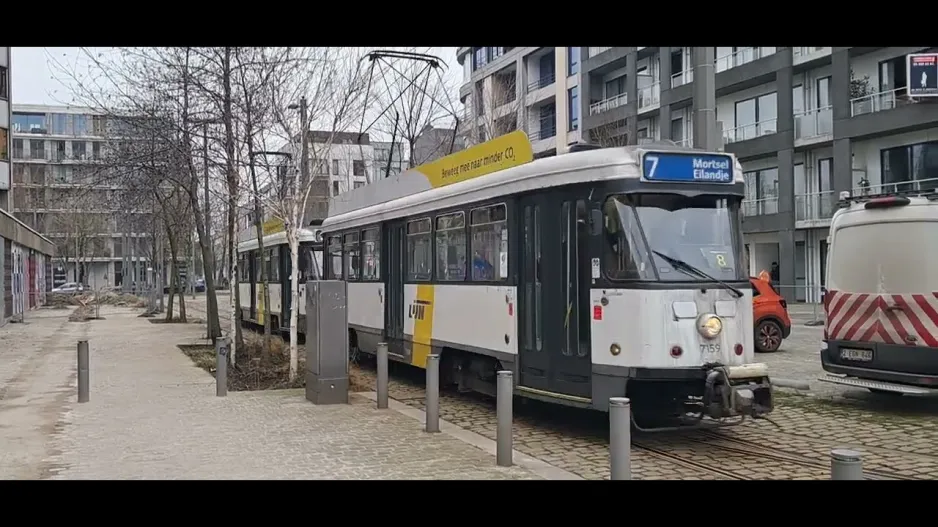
(625, 257)
(244, 268)
(352, 256)
(371, 254)
(489, 230)
(419, 250)
(310, 263)
(451, 247)
(257, 266)
(335, 258)
(273, 272)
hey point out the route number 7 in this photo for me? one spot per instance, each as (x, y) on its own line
(650, 171)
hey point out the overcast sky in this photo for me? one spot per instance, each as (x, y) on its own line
(35, 80)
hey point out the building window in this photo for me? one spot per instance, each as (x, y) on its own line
(34, 123)
(335, 167)
(96, 150)
(677, 130)
(358, 184)
(4, 144)
(60, 124)
(756, 117)
(4, 83)
(358, 167)
(494, 53)
(761, 192)
(825, 173)
(335, 188)
(903, 165)
(574, 105)
(37, 149)
(18, 149)
(478, 58)
(615, 87)
(573, 61)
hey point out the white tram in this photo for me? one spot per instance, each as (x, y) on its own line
(276, 258)
(594, 274)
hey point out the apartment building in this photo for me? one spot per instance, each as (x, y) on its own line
(25, 255)
(532, 89)
(805, 122)
(60, 191)
(389, 159)
(434, 142)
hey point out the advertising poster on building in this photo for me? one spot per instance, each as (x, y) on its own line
(923, 75)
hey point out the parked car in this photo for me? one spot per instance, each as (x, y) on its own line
(200, 285)
(69, 288)
(770, 315)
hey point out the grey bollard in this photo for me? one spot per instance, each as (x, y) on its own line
(221, 366)
(83, 374)
(433, 393)
(620, 438)
(846, 464)
(505, 392)
(382, 381)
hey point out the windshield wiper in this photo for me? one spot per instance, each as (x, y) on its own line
(688, 268)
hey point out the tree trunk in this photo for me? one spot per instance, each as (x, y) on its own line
(232, 177)
(295, 295)
(174, 280)
(259, 230)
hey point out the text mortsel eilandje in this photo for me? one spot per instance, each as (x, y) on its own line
(712, 169)
(475, 164)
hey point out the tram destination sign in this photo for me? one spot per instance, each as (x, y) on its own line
(680, 167)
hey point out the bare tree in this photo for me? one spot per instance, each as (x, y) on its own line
(496, 108)
(330, 89)
(609, 134)
(78, 228)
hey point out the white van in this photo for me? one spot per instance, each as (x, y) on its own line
(881, 305)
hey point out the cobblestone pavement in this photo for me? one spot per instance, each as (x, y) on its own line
(899, 436)
(154, 415)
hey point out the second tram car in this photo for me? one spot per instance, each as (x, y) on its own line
(276, 258)
(595, 274)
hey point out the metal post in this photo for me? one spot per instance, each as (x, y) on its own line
(704, 94)
(504, 393)
(846, 464)
(433, 393)
(382, 375)
(221, 366)
(83, 378)
(620, 438)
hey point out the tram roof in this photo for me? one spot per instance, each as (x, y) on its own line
(280, 238)
(406, 198)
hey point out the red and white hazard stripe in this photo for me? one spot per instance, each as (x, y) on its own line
(906, 320)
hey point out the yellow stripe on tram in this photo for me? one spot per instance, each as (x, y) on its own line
(422, 313)
(260, 303)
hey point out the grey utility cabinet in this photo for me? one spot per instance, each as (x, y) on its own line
(327, 379)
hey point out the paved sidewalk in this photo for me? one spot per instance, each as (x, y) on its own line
(154, 415)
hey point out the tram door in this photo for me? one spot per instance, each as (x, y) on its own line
(253, 264)
(553, 295)
(394, 286)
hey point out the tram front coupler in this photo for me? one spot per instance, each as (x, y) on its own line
(732, 391)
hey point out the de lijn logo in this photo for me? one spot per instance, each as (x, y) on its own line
(418, 310)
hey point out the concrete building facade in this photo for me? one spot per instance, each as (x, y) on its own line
(805, 122)
(60, 191)
(532, 89)
(25, 255)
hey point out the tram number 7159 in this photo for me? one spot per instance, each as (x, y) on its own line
(710, 348)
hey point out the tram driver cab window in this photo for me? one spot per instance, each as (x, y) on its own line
(624, 254)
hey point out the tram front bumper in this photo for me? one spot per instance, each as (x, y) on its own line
(738, 390)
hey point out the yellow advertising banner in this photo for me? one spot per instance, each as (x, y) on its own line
(272, 226)
(506, 151)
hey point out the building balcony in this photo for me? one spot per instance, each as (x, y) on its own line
(814, 206)
(592, 52)
(682, 77)
(918, 185)
(760, 207)
(544, 133)
(877, 102)
(750, 131)
(542, 82)
(609, 103)
(814, 125)
(649, 97)
(802, 55)
(740, 57)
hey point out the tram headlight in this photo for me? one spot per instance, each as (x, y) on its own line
(615, 349)
(709, 325)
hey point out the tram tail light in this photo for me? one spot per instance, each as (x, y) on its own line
(676, 351)
(738, 349)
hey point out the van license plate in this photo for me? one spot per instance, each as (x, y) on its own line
(857, 355)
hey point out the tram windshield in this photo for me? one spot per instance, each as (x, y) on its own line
(310, 262)
(702, 231)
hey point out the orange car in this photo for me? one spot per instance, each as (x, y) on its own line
(770, 314)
